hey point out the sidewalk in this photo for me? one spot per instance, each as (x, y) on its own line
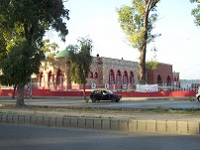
(104, 120)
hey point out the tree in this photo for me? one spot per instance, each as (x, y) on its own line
(2, 47)
(196, 12)
(22, 61)
(80, 60)
(137, 23)
(49, 48)
(152, 65)
(23, 24)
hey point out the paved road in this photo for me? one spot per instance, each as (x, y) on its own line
(158, 103)
(27, 137)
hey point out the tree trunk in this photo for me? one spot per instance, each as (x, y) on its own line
(84, 94)
(13, 95)
(20, 95)
(142, 65)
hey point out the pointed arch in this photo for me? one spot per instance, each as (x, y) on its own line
(59, 77)
(132, 80)
(96, 75)
(111, 77)
(125, 77)
(91, 75)
(50, 78)
(159, 80)
(40, 78)
(168, 81)
(119, 77)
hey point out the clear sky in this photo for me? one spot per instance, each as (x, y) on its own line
(179, 44)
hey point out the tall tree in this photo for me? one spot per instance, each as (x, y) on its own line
(80, 59)
(49, 49)
(196, 12)
(137, 23)
(21, 62)
(23, 24)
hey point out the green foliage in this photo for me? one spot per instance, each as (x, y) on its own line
(49, 49)
(80, 59)
(196, 12)
(137, 23)
(23, 24)
(2, 47)
(151, 65)
(22, 61)
(132, 21)
(33, 18)
(192, 99)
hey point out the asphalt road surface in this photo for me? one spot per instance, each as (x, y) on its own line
(28, 137)
(158, 103)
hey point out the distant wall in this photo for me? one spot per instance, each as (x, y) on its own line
(47, 92)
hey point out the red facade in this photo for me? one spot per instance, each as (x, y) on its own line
(163, 75)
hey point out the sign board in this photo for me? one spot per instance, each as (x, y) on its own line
(147, 88)
(106, 85)
(93, 86)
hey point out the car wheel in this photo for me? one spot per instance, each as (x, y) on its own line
(198, 98)
(113, 99)
(117, 100)
(93, 100)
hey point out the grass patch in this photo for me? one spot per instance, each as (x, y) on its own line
(100, 111)
(192, 99)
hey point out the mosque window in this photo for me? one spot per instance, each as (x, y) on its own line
(132, 81)
(59, 77)
(119, 79)
(159, 80)
(168, 81)
(111, 77)
(125, 78)
(91, 75)
(50, 78)
(175, 79)
(41, 79)
(96, 75)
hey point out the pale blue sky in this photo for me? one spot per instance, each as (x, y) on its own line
(179, 44)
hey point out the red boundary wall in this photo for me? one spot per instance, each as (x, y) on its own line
(46, 92)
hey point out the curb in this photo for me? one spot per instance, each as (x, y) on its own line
(143, 126)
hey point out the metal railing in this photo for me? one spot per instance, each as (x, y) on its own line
(114, 87)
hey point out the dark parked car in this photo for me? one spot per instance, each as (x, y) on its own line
(104, 94)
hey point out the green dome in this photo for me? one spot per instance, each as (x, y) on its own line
(64, 53)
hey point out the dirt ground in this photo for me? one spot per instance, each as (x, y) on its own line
(153, 114)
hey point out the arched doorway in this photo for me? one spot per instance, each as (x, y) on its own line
(132, 81)
(50, 79)
(111, 77)
(125, 78)
(159, 80)
(168, 81)
(40, 79)
(59, 79)
(118, 77)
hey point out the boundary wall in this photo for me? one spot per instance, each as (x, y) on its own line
(47, 92)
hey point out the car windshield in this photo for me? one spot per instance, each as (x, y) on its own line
(109, 91)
